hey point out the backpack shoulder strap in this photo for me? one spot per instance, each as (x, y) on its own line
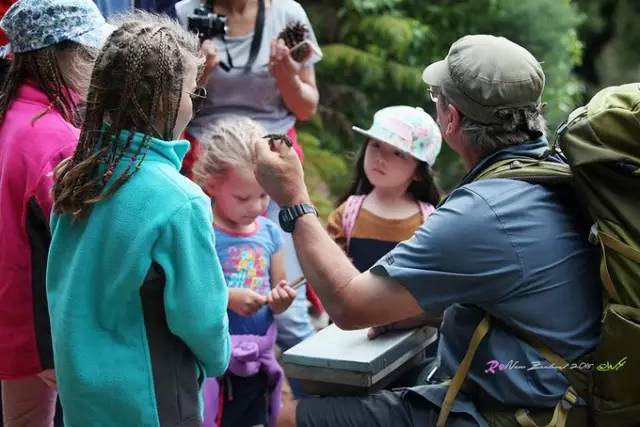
(426, 209)
(349, 215)
(577, 381)
(609, 243)
(536, 171)
(463, 369)
(561, 409)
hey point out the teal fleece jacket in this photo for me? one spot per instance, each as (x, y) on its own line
(137, 299)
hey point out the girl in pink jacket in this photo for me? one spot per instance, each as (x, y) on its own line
(53, 43)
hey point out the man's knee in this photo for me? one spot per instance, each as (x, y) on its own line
(384, 408)
(287, 416)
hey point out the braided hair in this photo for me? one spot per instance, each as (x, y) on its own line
(136, 87)
(56, 71)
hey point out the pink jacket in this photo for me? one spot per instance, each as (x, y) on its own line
(29, 151)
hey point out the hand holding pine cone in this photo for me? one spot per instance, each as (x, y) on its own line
(294, 34)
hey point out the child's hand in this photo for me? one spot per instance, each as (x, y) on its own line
(245, 301)
(281, 297)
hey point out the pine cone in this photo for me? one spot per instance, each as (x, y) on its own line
(293, 34)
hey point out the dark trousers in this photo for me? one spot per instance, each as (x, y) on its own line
(245, 401)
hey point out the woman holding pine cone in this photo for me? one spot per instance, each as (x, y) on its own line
(267, 82)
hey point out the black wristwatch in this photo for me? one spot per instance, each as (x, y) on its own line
(289, 215)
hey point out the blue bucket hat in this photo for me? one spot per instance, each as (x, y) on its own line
(35, 24)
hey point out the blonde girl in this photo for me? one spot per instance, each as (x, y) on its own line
(249, 249)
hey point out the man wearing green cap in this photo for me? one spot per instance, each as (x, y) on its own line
(503, 247)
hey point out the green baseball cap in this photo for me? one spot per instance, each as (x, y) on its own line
(483, 74)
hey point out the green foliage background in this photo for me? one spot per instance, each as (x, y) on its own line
(375, 51)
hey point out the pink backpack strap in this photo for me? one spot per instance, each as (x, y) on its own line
(349, 215)
(426, 209)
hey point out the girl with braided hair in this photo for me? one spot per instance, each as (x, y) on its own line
(53, 44)
(136, 293)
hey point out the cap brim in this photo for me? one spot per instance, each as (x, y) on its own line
(436, 73)
(95, 38)
(379, 138)
(363, 132)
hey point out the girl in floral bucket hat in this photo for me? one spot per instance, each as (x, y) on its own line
(52, 43)
(393, 192)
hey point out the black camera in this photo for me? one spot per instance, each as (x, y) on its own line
(207, 24)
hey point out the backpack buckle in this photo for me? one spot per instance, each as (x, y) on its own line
(593, 234)
(563, 127)
(571, 396)
(516, 164)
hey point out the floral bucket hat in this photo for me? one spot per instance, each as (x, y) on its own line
(409, 129)
(35, 24)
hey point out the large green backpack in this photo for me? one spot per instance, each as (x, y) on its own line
(601, 142)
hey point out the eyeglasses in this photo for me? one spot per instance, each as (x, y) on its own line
(198, 96)
(433, 93)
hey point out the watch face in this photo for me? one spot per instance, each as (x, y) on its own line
(285, 220)
(288, 216)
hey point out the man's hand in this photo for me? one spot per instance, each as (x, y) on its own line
(211, 61)
(375, 331)
(279, 172)
(245, 301)
(281, 297)
(413, 322)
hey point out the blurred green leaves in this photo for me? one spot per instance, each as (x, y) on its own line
(375, 51)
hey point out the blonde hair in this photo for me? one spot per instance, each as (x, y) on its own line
(227, 145)
(137, 86)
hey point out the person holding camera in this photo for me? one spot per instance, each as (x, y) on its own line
(251, 72)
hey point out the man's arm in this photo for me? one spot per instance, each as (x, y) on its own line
(352, 299)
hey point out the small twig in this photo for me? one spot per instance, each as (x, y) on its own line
(298, 282)
(275, 137)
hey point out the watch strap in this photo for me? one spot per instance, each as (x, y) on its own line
(290, 214)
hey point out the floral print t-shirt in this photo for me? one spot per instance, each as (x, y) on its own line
(246, 263)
